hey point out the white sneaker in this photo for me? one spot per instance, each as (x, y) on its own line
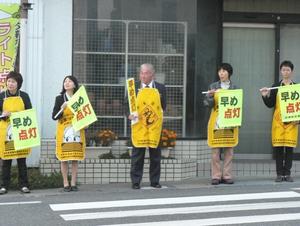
(3, 191)
(25, 190)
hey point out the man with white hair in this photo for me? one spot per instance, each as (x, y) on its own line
(137, 159)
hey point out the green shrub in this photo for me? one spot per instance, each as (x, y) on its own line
(125, 155)
(36, 179)
(107, 156)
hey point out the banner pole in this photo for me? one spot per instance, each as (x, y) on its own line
(23, 42)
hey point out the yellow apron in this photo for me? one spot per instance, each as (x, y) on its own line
(147, 131)
(283, 134)
(70, 145)
(7, 149)
(218, 138)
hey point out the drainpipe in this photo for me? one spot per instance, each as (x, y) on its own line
(25, 6)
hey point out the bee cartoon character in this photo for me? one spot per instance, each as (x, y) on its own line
(9, 134)
(70, 135)
(71, 140)
(9, 143)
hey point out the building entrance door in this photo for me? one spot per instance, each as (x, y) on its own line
(250, 49)
(290, 50)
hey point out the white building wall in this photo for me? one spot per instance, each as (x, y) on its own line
(48, 60)
(32, 66)
(57, 57)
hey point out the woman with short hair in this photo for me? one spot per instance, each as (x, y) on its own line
(12, 100)
(218, 138)
(284, 134)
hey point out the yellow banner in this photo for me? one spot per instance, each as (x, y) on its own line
(82, 109)
(147, 131)
(9, 39)
(132, 99)
(289, 97)
(131, 95)
(230, 108)
(25, 129)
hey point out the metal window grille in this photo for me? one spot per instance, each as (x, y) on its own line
(107, 52)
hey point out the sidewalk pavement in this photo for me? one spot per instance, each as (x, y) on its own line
(193, 183)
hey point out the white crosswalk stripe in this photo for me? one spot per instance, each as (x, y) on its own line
(164, 201)
(183, 210)
(166, 208)
(223, 220)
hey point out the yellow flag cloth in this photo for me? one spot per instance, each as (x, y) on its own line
(289, 97)
(217, 137)
(283, 134)
(230, 108)
(146, 132)
(82, 109)
(9, 33)
(24, 129)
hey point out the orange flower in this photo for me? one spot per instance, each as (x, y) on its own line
(107, 137)
(168, 138)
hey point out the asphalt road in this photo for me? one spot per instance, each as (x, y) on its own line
(250, 201)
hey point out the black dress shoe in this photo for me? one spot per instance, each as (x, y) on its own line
(136, 186)
(279, 178)
(74, 188)
(227, 181)
(215, 181)
(155, 185)
(67, 189)
(288, 178)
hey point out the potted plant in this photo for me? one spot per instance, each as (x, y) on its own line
(167, 142)
(105, 138)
